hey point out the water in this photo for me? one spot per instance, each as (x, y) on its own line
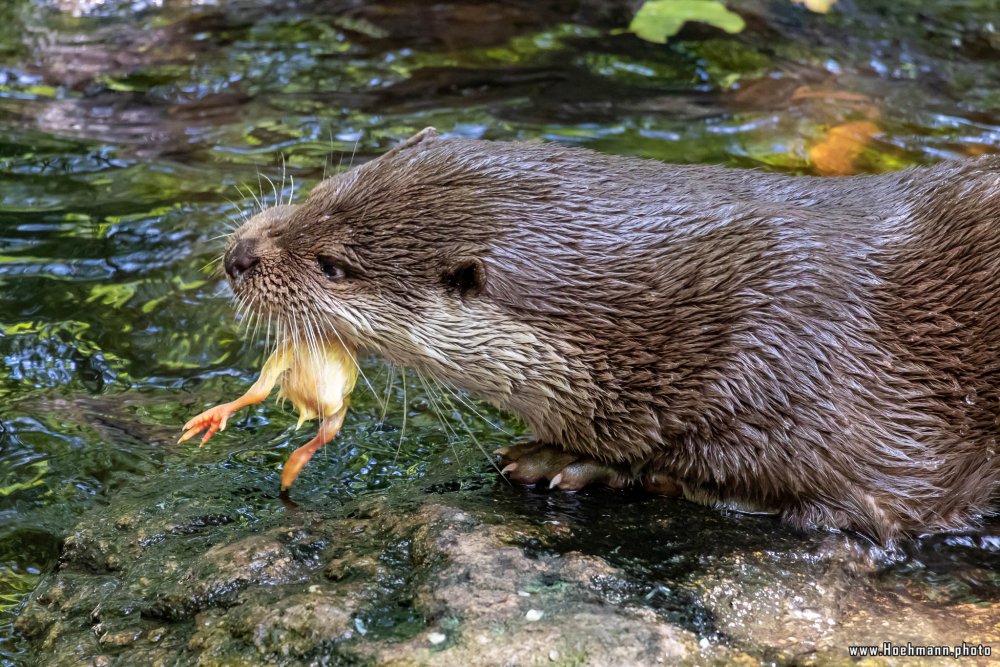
(134, 131)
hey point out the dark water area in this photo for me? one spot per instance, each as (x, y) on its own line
(135, 133)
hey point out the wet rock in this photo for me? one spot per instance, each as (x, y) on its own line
(216, 578)
(489, 577)
(91, 551)
(297, 627)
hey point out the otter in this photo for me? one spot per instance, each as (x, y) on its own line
(823, 348)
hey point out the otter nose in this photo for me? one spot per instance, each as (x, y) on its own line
(241, 258)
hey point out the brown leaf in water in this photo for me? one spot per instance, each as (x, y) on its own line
(835, 155)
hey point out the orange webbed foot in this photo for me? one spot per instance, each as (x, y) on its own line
(214, 420)
(211, 421)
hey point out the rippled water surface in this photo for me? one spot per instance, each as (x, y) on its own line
(133, 132)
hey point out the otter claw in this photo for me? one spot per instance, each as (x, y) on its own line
(662, 486)
(579, 474)
(537, 463)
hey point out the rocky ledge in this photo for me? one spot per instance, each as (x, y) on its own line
(441, 575)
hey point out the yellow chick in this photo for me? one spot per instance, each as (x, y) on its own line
(317, 384)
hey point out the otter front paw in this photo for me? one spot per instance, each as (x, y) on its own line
(531, 464)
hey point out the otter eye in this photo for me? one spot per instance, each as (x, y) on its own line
(331, 267)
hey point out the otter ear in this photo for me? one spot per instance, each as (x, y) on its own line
(467, 276)
(425, 135)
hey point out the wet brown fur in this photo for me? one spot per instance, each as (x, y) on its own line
(829, 348)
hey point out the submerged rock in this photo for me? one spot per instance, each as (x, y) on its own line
(494, 576)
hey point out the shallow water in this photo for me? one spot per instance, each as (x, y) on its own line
(135, 132)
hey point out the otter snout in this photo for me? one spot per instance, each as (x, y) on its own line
(241, 258)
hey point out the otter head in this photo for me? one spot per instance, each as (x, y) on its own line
(397, 257)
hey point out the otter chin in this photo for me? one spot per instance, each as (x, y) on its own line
(824, 348)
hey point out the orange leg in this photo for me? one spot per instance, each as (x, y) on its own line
(300, 457)
(214, 419)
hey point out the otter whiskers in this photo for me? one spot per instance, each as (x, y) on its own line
(472, 436)
(316, 376)
(437, 403)
(312, 362)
